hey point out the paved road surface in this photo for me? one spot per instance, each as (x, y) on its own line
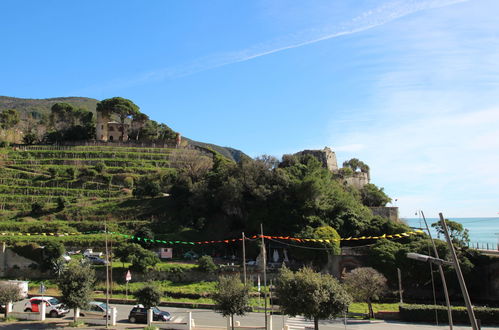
(207, 319)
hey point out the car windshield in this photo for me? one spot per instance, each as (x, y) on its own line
(156, 310)
(104, 306)
(54, 301)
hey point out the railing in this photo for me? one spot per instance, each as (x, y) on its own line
(484, 246)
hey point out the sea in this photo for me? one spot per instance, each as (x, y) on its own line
(482, 231)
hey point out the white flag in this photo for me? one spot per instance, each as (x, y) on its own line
(128, 276)
(258, 283)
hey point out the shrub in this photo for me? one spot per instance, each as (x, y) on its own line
(71, 172)
(128, 182)
(37, 208)
(149, 295)
(100, 167)
(426, 313)
(146, 187)
(206, 264)
(61, 203)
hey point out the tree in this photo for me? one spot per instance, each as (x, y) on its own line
(146, 187)
(140, 258)
(36, 208)
(327, 238)
(356, 164)
(61, 116)
(119, 106)
(9, 292)
(139, 120)
(206, 264)
(30, 138)
(76, 285)
(367, 285)
(52, 251)
(458, 234)
(373, 196)
(313, 295)
(149, 296)
(9, 118)
(231, 297)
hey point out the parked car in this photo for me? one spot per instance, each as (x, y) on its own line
(138, 314)
(96, 260)
(54, 307)
(96, 309)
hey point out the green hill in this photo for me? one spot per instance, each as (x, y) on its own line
(39, 109)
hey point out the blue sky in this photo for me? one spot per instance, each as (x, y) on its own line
(408, 86)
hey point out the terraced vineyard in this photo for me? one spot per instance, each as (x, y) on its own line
(91, 180)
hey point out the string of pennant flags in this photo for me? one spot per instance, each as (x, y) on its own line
(232, 240)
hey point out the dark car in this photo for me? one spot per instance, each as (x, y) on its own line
(139, 314)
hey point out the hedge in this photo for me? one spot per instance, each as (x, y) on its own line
(426, 313)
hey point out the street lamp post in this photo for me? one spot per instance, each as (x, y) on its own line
(459, 274)
(439, 262)
(442, 275)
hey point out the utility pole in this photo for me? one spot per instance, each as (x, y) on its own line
(244, 258)
(264, 275)
(442, 275)
(107, 276)
(459, 274)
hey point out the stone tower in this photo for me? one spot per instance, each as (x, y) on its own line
(101, 127)
(326, 156)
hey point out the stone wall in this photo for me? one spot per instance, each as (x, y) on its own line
(14, 265)
(326, 156)
(358, 180)
(391, 213)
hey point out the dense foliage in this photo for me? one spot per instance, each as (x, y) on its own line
(231, 297)
(149, 295)
(313, 295)
(426, 313)
(9, 292)
(365, 284)
(76, 285)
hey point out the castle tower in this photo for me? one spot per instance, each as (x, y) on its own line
(101, 127)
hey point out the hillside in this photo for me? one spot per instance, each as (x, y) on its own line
(76, 188)
(39, 109)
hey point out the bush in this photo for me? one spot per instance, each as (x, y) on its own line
(146, 187)
(426, 313)
(61, 203)
(100, 167)
(206, 264)
(149, 295)
(72, 173)
(37, 208)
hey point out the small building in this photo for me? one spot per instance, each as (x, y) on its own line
(112, 131)
(107, 130)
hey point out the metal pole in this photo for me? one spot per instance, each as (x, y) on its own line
(442, 275)
(107, 276)
(459, 274)
(244, 258)
(264, 275)
(399, 273)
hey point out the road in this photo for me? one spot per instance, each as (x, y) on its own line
(210, 319)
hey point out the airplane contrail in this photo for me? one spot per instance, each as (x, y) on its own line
(367, 20)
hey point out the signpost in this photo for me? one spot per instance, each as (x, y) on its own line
(128, 277)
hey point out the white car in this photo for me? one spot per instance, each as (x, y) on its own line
(54, 307)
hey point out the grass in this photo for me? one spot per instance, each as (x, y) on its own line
(359, 307)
